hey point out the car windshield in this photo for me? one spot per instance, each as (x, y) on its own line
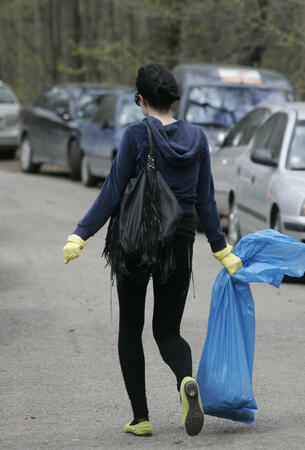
(87, 102)
(6, 96)
(296, 155)
(225, 106)
(129, 112)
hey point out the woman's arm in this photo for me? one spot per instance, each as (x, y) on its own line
(206, 205)
(103, 207)
(209, 217)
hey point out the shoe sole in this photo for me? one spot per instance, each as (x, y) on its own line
(141, 434)
(194, 418)
(145, 431)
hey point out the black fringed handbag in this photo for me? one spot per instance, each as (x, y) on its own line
(141, 230)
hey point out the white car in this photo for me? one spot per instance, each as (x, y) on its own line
(268, 188)
(235, 144)
(9, 121)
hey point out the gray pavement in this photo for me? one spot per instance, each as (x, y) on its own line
(60, 381)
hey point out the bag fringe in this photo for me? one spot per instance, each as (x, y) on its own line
(152, 253)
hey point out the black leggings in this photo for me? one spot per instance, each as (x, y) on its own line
(169, 302)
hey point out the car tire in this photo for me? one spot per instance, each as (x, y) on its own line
(75, 157)
(26, 157)
(276, 225)
(8, 153)
(86, 177)
(277, 222)
(234, 234)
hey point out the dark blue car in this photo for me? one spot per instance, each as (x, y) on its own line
(102, 135)
(52, 127)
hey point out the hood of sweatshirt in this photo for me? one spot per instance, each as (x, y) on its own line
(179, 142)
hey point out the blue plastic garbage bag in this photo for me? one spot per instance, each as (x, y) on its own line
(225, 370)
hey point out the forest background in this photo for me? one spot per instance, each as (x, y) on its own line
(49, 41)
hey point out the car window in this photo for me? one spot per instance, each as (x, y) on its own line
(42, 100)
(271, 134)
(53, 98)
(277, 135)
(60, 99)
(296, 154)
(245, 129)
(87, 102)
(209, 115)
(6, 96)
(105, 116)
(257, 119)
(129, 112)
(228, 105)
(88, 109)
(46, 99)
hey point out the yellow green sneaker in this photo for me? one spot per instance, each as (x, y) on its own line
(140, 429)
(192, 411)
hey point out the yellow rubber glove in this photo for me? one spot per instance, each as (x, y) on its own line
(73, 248)
(230, 261)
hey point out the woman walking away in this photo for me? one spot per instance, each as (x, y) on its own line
(182, 157)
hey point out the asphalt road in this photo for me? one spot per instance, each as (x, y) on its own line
(61, 386)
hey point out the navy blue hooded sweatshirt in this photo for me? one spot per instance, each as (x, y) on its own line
(182, 157)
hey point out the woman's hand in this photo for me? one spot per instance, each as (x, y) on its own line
(230, 261)
(73, 248)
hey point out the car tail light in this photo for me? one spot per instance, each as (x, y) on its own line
(303, 209)
(19, 111)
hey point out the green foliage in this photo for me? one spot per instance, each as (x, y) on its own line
(48, 41)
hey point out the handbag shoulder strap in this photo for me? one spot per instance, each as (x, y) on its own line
(151, 160)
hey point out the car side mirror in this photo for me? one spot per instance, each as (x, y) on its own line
(62, 112)
(263, 156)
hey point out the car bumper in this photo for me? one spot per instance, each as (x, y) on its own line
(294, 226)
(9, 137)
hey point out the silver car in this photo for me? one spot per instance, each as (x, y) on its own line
(9, 121)
(223, 158)
(268, 190)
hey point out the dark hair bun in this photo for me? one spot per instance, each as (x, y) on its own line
(158, 86)
(169, 89)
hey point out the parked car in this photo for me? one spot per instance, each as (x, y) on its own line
(269, 186)
(51, 129)
(223, 158)
(9, 117)
(102, 135)
(217, 97)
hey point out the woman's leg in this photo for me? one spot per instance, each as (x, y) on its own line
(168, 310)
(132, 295)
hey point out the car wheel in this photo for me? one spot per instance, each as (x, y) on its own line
(87, 178)
(234, 226)
(26, 157)
(277, 222)
(8, 153)
(75, 157)
(276, 225)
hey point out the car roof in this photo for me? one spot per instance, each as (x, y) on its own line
(6, 86)
(228, 75)
(3, 84)
(97, 86)
(298, 107)
(273, 107)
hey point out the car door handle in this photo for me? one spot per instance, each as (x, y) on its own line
(253, 179)
(224, 161)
